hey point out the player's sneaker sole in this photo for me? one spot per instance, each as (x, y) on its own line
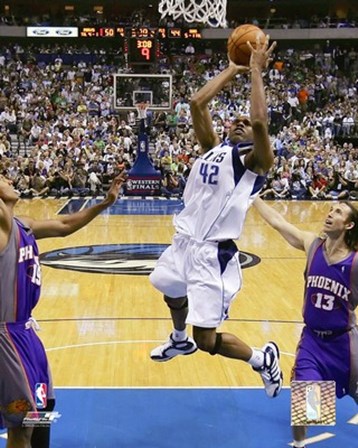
(171, 348)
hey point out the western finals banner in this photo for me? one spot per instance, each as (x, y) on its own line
(143, 185)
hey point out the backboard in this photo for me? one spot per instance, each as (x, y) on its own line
(131, 89)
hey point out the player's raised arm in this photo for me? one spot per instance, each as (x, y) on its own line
(261, 158)
(297, 238)
(200, 112)
(65, 225)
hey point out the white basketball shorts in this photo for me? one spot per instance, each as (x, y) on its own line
(209, 273)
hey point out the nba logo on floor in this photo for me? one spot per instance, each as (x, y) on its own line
(41, 395)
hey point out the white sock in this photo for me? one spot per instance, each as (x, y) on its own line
(257, 358)
(299, 444)
(179, 335)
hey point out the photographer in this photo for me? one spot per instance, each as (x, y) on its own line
(170, 185)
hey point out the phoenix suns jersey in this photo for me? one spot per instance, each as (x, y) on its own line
(20, 275)
(331, 291)
(218, 193)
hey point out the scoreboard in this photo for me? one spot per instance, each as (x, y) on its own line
(140, 32)
(141, 50)
(140, 44)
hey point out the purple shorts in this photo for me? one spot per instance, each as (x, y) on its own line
(24, 373)
(331, 358)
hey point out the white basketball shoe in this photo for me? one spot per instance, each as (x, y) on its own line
(172, 348)
(270, 372)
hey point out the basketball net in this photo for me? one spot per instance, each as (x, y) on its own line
(212, 12)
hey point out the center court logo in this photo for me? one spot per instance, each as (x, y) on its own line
(125, 259)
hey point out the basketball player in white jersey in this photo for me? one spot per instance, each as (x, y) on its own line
(199, 274)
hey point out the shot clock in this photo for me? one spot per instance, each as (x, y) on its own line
(142, 50)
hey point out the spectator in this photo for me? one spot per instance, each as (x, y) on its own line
(298, 189)
(318, 187)
(337, 186)
(171, 185)
(79, 182)
(279, 188)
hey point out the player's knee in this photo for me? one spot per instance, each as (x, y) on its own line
(178, 303)
(207, 341)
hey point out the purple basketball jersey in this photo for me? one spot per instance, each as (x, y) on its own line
(20, 275)
(328, 348)
(331, 290)
(28, 274)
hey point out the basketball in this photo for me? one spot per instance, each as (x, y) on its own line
(238, 51)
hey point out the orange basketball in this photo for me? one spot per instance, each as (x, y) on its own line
(237, 48)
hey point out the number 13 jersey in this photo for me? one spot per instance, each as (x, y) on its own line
(331, 292)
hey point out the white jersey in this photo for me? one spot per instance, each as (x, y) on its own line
(218, 193)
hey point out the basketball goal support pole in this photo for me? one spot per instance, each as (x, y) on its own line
(142, 127)
(143, 178)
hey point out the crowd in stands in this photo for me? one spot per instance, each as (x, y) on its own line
(60, 134)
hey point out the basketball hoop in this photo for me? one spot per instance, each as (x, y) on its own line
(212, 12)
(142, 110)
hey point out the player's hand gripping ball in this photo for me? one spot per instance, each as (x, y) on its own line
(238, 50)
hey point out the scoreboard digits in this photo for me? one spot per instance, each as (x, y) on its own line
(140, 32)
(92, 31)
(142, 50)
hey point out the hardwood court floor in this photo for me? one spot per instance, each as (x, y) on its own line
(99, 328)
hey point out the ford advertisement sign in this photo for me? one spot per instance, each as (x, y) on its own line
(51, 31)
